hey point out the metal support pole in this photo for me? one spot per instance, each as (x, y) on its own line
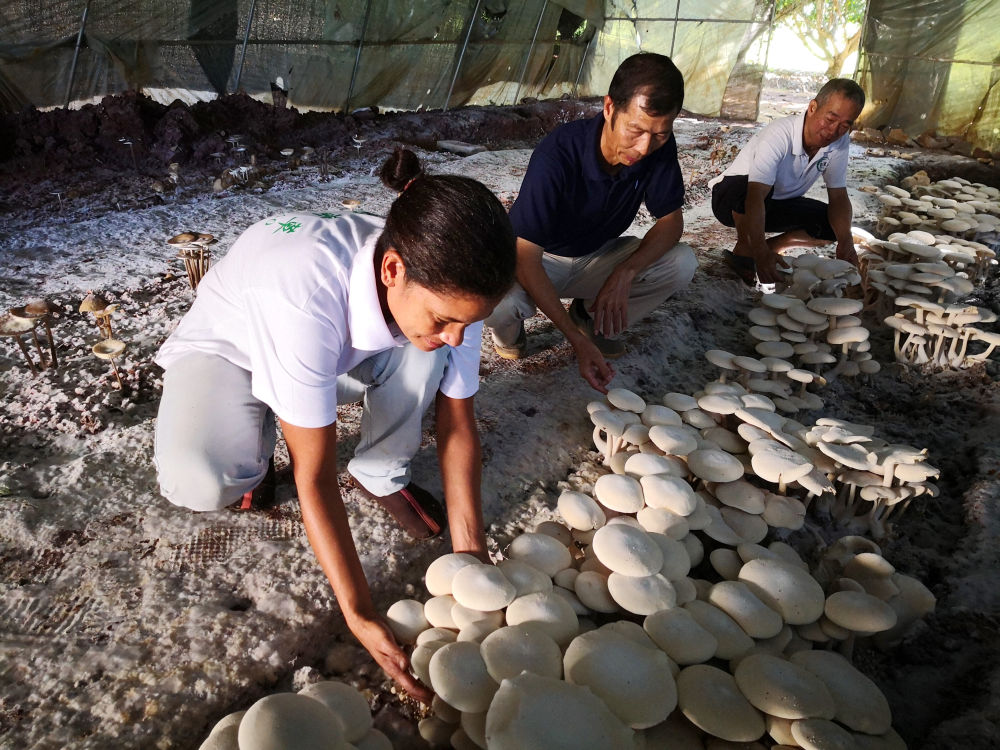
(461, 55)
(357, 58)
(243, 54)
(76, 54)
(673, 37)
(527, 57)
(579, 73)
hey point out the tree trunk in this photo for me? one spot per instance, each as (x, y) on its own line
(838, 60)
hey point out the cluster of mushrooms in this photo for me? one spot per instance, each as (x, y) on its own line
(927, 332)
(192, 248)
(652, 616)
(938, 258)
(26, 320)
(330, 715)
(957, 209)
(108, 347)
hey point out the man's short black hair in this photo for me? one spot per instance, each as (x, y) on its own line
(653, 76)
(843, 86)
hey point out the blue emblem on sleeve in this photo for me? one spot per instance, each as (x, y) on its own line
(822, 163)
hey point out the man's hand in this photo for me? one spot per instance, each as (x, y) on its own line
(766, 261)
(377, 638)
(610, 308)
(847, 252)
(593, 367)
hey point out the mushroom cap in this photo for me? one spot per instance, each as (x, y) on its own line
(608, 421)
(531, 712)
(627, 550)
(617, 492)
(639, 465)
(778, 301)
(541, 551)
(674, 440)
(737, 600)
(513, 649)
(350, 706)
(184, 238)
(669, 493)
(740, 494)
(852, 455)
(762, 316)
(445, 635)
(698, 418)
(406, 620)
(482, 587)
(720, 358)
(626, 400)
(442, 570)
(655, 414)
(727, 440)
(775, 462)
(591, 588)
(680, 636)
(780, 688)
(733, 642)
(720, 403)
(459, 675)
(859, 612)
(786, 588)
(547, 611)
(556, 530)
(11, 325)
(290, 721)
(750, 364)
(438, 610)
(642, 595)
(679, 401)
(108, 348)
(527, 579)
(580, 511)
(860, 704)
(663, 521)
(821, 734)
(835, 305)
(774, 349)
(714, 465)
(633, 680)
(711, 700)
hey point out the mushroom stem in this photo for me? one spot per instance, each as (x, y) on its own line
(121, 385)
(27, 354)
(52, 343)
(38, 348)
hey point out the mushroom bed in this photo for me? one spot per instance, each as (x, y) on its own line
(704, 590)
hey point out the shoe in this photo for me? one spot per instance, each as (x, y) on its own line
(261, 497)
(743, 266)
(513, 351)
(609, 348)
(415, 509)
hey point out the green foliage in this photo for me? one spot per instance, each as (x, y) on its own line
(830, 29)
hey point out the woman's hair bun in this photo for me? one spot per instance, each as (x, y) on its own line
(400, 169)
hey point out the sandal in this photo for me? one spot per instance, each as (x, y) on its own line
(743, 266)
(415, 509)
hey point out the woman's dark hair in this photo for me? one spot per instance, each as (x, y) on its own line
(451, 232)
(652, 75)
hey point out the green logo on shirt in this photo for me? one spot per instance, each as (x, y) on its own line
(284, 226)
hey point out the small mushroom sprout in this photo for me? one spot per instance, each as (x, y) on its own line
(109, 349)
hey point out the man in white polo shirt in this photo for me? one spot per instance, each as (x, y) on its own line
(762, 190)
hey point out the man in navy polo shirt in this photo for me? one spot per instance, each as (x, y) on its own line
(583, 188)
(763, 189)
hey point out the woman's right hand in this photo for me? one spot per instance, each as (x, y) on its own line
(374, 634)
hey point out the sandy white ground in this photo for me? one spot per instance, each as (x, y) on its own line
(128, 623)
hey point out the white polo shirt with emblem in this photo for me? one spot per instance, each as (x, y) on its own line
(295, 302)
(776, 156)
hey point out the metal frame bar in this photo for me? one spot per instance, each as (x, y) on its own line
(583, 60)
(246, 38)
(461, 55)
(76, 53)
(673, 35)
(357, 58)
(531, 49)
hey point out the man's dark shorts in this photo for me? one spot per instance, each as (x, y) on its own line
(779, 216)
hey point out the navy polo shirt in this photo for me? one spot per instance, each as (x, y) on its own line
(570, 206)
